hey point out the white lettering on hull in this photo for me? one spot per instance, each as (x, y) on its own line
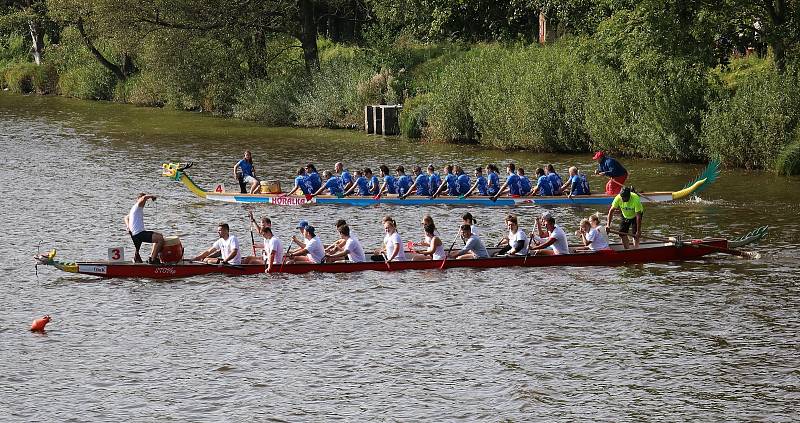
(90, 268)
(165, 271)
(289, 201)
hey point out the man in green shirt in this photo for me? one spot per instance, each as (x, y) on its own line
(631, 207)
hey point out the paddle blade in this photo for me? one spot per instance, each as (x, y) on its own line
(309, 197)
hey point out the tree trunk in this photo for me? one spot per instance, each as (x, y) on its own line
(38, 41)
(116, 70)
(308, 36)
(128, 67)
(777, 32)
(779, 53)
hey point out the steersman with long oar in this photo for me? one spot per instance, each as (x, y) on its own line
(629, 204)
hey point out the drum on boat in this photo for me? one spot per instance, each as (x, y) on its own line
(271, 187)
(172, 250)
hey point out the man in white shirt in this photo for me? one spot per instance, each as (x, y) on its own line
(134, 224)
(336, 246)
(313, 252)
(351, 249)
(227, 245)
(556, 240)
(271, 250)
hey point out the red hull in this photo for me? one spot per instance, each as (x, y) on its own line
(653, 252)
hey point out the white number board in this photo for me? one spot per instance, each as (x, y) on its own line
(116, 254)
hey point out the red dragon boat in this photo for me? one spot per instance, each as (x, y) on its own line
(671, 250)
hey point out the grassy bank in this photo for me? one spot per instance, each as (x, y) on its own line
(575, 95)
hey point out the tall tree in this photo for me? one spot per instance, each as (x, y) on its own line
(32, 14)
(776, 22)
(106, 22)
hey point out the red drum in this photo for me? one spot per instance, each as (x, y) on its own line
(172, 251)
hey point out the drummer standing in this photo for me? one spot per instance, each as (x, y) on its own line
(134, 224)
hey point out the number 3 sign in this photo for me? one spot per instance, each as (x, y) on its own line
(116, 254)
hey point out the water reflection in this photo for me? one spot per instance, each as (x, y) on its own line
(708, 340)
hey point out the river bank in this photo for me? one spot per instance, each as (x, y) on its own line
(557, 98)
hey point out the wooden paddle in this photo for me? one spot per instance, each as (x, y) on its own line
(743, 254)
(447, 252)
(386, 260)
(250, 224)
(235, 266)
(286, 254)
(527, 253)
(637, 193)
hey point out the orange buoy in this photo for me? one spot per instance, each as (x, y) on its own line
(39, 324)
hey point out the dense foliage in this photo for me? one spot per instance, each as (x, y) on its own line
(668, 79)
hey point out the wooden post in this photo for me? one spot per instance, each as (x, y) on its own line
(369, 123)
(382, 119)
(378, 120)
(542, 28)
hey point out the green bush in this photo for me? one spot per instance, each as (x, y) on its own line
(414, 116)
(653, 117)
(450, 118)
(143, 89)
(532, 98)
(13, 50)
(332, 98)
(45, 79)
(270, 101)
(89, 82)
(740, 68)
(188, 73)
(26, 78)
(788, 162)
(80, 75)
(19, 77)
(751, 126)
(514, 97)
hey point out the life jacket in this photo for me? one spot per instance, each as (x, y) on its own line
(584, 184)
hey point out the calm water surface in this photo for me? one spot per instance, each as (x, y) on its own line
(712, 340)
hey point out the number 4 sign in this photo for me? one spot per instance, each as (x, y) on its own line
(220, 188)
(116, 254)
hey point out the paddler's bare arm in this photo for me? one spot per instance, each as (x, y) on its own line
(143, 200)
(205, 254)
(319, 191)
(410, 190)
(350, 190)
(440, 189)
(610, 216)
(501, 190)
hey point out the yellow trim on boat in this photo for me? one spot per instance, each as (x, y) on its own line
(677, 195)
(67, 267)
(192, 186)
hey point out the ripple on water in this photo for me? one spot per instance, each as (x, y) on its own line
(712, 340)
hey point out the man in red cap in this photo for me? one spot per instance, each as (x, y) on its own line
(612, 169)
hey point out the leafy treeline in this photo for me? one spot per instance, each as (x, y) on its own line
(671, 79)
